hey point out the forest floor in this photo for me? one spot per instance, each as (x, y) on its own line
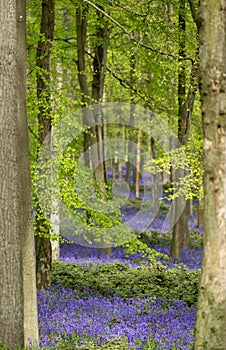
(123, 301)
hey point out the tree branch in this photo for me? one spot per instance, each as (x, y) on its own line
(123, 82)
(132, 36)
(35, 135)
(194, 13)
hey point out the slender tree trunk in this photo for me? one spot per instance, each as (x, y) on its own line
(99, 70)
(11, 272)
(120, 135)
(155, 197)
(93, 120)
(55, 210)
(43, 243)
(181, 227)
(190, 207)
(113, 168)
(185, 103)
(25, 202)
(137, 184)
(130, 163)
(210, 330)
(200, 213)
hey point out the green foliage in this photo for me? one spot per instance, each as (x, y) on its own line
(187, 158)
(152, 238)
(155, 237)
(140, 67)
(195, 240)
(120, 279)
(114, 344)
(138, 245)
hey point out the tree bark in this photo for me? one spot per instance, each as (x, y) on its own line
(11, 281)
(200, 213)
(210, 330)
(25, 202)
(43, 243)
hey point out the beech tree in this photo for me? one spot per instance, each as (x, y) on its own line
(25, 204)
(211, 315)
(43, 243)
(11, 285)
(18, 305)
(186, 99)
(95, 136)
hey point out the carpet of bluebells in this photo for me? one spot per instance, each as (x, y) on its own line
(72, 320)
(148, 323)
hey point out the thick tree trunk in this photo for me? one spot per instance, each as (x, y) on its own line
(25, 206)
(11, 272)
(210, 330)
(43, 244)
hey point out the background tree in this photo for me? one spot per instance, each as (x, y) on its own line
(42, 226)
(186, 99)
(116, 52)
(211, 315)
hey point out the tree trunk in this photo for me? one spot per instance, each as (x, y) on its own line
(185, 104)
(113, 168)
(154, 191)
(137, 181)
(190, 207)
(25, 206)
(180, 227)
(43, 244)
(200, 213)
(131, 163)
(11, 280)
(93, 120)
(210, 330)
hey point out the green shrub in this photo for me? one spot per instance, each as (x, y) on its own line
(195, 239)
(120, 279)
(155, 238)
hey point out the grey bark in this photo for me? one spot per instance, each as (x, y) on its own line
(210, 330)
(25, 203)
(11, 281)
